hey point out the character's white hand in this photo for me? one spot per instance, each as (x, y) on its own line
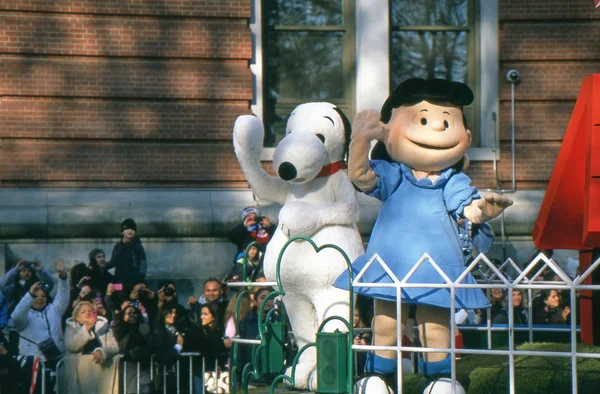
(248, 136)
(366, 126)
(492, 205)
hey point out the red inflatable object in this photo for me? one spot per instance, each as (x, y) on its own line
(569, 217)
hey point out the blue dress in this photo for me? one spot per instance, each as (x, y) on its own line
(417, 217)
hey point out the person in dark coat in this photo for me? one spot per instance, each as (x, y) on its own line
(213, 348)
(248, 329)
(549, 309)
(128, 256)
(99, 275)
(130, 335)
(174, 335)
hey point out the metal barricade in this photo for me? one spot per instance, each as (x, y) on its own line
(194, 385)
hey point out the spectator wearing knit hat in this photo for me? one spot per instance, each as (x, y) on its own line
(99, 275)
(253, 228)
(128, 256)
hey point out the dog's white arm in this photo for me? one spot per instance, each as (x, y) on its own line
(248, 135)
(306, 218)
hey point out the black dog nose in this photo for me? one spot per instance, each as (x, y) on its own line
(287, 171)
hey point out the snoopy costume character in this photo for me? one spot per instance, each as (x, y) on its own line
(423, 194)
(318, 201)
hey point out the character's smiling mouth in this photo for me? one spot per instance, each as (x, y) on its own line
(425, 146)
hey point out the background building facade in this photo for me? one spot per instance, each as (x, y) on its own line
(119, 109)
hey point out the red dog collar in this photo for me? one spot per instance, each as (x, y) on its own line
(331, 169)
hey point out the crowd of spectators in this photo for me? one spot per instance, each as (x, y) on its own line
(98, 314)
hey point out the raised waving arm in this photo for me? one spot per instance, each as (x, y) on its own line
(248, 135)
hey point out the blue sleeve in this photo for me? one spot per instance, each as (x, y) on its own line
(458, 193)
(3, 312)
(389, 176)
(9, 279)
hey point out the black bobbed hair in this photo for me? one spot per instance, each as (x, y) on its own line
(415, 90)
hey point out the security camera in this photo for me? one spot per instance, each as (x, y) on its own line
(513, 76)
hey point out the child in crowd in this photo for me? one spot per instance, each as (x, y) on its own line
(253, 228)
(128, 256)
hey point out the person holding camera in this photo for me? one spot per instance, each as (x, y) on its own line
(130, 333)
(88, 333)
(141, 297)
(167, 293)
(254, 228)
(39, 321)
(17, 281)
(128, 256)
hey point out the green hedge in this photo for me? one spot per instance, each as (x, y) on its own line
(488, 374)
(535, 374)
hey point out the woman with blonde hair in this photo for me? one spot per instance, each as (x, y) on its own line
(88, 333)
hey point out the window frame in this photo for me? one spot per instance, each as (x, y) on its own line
(372, 78)
(285, 106)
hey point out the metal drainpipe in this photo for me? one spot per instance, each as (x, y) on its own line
(513, 77)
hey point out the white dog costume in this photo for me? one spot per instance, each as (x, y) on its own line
(318, 201)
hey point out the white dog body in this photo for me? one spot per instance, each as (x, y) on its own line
(318, 201)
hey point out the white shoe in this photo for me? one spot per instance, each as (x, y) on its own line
(444, 386)
(372, 385)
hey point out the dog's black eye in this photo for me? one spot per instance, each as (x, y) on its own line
(321, 137)
(446, 125)
(423, 121)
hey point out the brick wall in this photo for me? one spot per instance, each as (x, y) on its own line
(554, 45)
(122, 93)
(144, 93)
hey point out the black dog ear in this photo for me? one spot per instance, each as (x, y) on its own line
(347, 129)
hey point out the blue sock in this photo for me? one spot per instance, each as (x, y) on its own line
(378, 364)
(434, 368)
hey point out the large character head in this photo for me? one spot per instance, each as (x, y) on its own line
(317, 135)
(426, 127)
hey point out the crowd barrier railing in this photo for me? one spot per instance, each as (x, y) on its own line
(128, 377)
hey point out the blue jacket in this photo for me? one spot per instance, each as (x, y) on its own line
(3, 311)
